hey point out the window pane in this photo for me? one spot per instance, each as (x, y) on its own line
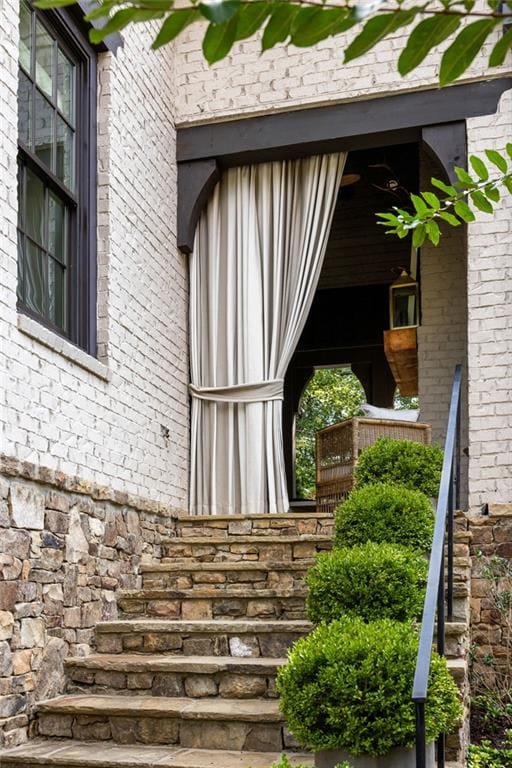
(56, 294)
(25, 37)
(65, 140)
(34, 208)
(34, 264)
(44, 117)
(45, 50)
(21, 212)
(65, 86)
(25, 110)
(20, 291)
(57, 229)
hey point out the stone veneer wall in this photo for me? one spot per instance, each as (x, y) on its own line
(66, 547)
(491, 535)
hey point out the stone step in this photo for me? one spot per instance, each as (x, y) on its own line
(253, 548)
(245, 725)
(70, 754)
(209, 603)
(291, 524)
(193, 676)
(233, 637)
(226, 575)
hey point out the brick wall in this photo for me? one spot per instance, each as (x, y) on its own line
(442, 336)
(490, 329)
(108, 425)
(247, 82)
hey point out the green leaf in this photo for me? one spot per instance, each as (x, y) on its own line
(121, 19)
(425, 36)
(420, 206)
(432, 200)
(174, 24)
(376, 29)
(479, 167)
(509, 149)
(497, 159)
(419, 235)
(464, 177)
(43, 4)
(492, 193)
(279, 26)
(507, 181)
(218, 40)
(464, 49)
(250, 19)
(219, 11)
(446, 188)
(433, 232)
(312, 25)
(101, 11)
(463, 210)
(500, 50)
(449, 218)
(481, 202)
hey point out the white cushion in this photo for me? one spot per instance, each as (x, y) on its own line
(372, 412)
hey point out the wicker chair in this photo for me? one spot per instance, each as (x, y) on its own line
(338, 448)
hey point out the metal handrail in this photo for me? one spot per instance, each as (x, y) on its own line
(437, 595)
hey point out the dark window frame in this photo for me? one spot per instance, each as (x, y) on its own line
(82, 271)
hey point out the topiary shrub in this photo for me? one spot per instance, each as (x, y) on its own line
(348, 685)
(414, 465)
(373, 581)
(385, 513)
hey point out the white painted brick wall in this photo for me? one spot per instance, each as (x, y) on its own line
(54, 412)
(490, 329)
(284, 78)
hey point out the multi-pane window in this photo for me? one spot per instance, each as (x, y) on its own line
(55, 244)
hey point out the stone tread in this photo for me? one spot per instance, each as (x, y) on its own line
(232, 710)
(205, 593)
(206, 519)
(248, 539)
(244, 565)
(207, 626)
(189, 664)
(71, 754)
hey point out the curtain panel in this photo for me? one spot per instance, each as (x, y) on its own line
(257, 257)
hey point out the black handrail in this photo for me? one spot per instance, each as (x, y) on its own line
(438, 596)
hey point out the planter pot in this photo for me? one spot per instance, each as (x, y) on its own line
(400, 757)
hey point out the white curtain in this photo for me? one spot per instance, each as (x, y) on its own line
(257, 257)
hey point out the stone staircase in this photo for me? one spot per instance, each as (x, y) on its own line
(186, 676)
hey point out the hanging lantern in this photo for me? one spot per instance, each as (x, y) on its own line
(403, 302)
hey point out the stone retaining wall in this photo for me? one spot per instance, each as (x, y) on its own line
(66, 547)
(491, 633)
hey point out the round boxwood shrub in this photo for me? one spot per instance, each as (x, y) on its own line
(414, 465)
(385, 513)
(348, 685)
(373, 581)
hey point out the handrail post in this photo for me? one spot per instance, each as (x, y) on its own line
(440, 610)
(450, 524)
(421, 743)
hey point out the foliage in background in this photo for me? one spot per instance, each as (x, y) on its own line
(492, 674)
(414, 465)
(385, 513)
(486, 756)
(284, 762)
(373, 581)
(348, 685)
(332, 395)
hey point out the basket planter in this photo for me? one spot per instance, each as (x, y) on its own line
(338, 448)
(400, 757)
(401, 350)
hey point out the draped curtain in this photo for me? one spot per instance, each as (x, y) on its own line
(257, 257)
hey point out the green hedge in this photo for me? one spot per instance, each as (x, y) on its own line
(348, 685)
(486, 756)
(385, 513)
(373, 581)
(414, 465)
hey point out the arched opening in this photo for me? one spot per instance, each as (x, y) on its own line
(331, 395)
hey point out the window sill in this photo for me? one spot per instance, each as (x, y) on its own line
(53, 341)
